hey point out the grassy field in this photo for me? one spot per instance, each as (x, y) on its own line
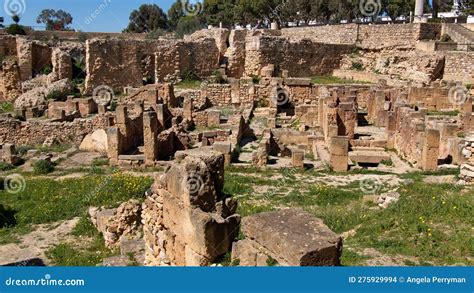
(46, 201)
(432, 224)
(327, 79)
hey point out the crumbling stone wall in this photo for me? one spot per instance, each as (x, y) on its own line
(8, 45)
(301, 58)
(367, 36)
(175, 60)
(10, 83)
(62, 64)
(40, 58)
(235, 54)
(186, 220)
(459, 67)
(116, 63)
(219, 35)
(35, 132)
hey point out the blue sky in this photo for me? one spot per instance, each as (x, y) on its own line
(112, 15)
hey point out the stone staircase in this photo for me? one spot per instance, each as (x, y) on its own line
(461, 35)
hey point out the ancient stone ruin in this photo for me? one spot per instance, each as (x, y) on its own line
(405, 99)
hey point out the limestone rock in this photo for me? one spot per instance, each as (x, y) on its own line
(95, 142)
(293, 238)
(38, 96)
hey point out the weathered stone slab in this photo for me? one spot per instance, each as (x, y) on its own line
(294, 238)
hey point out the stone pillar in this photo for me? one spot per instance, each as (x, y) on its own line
(188, 109)
(224, 148)
(213, 118)
(391, 129)
(297, 158)
(150, 137)
(24, 49)
(431, 150)
(11, 80)
(339, 150)
(114, 144)
(419, 10)
(8, 153)
(62, 64)
(185, 222)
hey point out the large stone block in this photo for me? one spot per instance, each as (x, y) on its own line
(297, 158)
(294, 238)
(339, 163)
(339, 146)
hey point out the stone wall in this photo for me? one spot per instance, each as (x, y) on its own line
(116, 63)
(34, 132)
(459, 67)
(199, 57)
(300, 58)
(367, 36)
(7, 45)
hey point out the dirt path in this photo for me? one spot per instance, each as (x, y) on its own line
(35, 244)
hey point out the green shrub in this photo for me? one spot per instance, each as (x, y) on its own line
(55, 96)
(5, 166)
(6, 107)
(218, 77)
(42, 167)
(46, 70)
(446, 38)
(187, 25)
(155, 34)
(357, 66)
(15, 29)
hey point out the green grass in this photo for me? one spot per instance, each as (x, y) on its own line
(66, 254)
(22, 150)
(432, 223)
(6, 167)
(444, 113)
(6, 107)
(47, 201)
(326, 79)
(351, 258)
(188, 84)
(91, 252)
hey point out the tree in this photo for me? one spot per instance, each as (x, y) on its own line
(147, 18)
(188, 25)
(398, 8)
(15, 29)
(175, 13)
(216, 12)
(55, 19)
(467, 7)
(441, 5)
